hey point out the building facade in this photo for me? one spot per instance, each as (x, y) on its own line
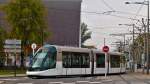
(64, 22)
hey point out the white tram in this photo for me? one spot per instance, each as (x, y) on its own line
(51, 60)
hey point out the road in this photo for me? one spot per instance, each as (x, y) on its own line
(131, 78)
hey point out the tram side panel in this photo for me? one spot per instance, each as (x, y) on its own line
(59, 68)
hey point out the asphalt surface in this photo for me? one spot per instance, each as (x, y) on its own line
(130, 78)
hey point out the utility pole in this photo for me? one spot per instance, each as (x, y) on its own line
(133, 53)
(145, 50)
(148, 37)
(104, 41)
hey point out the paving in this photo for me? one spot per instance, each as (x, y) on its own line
(129, 78)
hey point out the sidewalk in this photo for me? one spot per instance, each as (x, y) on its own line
(12, 75)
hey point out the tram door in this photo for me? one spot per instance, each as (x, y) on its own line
(66, 63)
(100, 63)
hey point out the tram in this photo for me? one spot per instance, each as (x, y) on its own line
(51, 60)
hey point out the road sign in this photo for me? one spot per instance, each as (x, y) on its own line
(12, 41)
(12, 45)
(105, 49)
(12, 50)
(33, 46)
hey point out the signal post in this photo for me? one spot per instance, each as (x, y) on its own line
(106, 49)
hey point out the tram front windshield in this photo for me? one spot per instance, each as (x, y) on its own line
(44, 59)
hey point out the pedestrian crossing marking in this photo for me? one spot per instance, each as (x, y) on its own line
(82, 81)
(24, 83)
(55, 82)
(95, 82)
(68, 83)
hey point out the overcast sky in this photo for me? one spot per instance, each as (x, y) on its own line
(103, 17)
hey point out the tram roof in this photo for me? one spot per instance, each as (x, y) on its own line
(112, 53)
(72, 49)
(77, 49)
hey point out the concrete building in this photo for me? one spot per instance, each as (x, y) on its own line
(64, 21)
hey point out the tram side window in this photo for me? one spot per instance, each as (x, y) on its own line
(115, 61)
(85, 60)
(66, 58)
(100, 60)
(75, 60)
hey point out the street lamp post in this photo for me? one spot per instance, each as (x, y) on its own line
(145, 3)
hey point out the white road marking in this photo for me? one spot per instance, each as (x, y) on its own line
(9, 79)
(55, 82)
(1, 82)
(82, 82)
(106, 80)
(68, 83)
(89, 77)
(95, 82)
(24, 83)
